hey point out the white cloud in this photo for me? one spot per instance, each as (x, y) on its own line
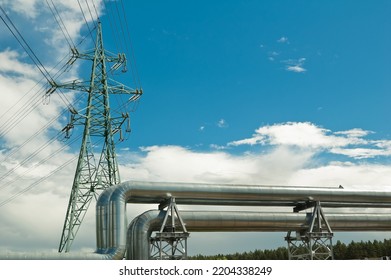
(305, 135)
(27, 8)
(45, 204)
(273, 55)
(296, 134)
(295, 65)
(295, 68)
(349, 175)
(26, 108)
(283, 39)
(361, 153)
(217, 147)
(281, 165)
(222, 123)
(355, 132)
(22, 115)
(383, 144)
(175, 163)
(11, 65)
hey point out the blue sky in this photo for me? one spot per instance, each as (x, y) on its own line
(252, 92)
(203, 62)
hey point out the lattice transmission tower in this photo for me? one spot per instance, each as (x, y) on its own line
(94, 173)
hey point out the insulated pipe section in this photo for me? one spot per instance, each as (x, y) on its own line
(111, 212)
(213, 194)
(102, 210)
(141, 228)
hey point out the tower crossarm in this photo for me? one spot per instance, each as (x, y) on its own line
(90, 55)
(113, 87)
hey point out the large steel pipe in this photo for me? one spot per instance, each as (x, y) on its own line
(141, 228)
(111, 221)
(111, 207)
(220, 194)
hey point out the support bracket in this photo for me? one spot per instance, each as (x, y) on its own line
(315, 241)
(170, 242)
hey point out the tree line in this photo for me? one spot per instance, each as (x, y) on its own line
(354, 250)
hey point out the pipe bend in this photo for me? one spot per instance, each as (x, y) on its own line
(112, 219)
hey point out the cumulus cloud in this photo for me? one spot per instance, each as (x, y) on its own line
(349, 174)
(11, 64)
(305, 135)
(291, 156)
(176, 163)
(289, 159)
(280, 164)
(27, 8)
(288, 154)
(30, 145)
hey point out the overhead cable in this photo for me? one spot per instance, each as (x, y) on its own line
(60, 24)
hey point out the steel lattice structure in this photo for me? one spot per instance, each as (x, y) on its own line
(94, 174)
(170, 242)
(315, 241)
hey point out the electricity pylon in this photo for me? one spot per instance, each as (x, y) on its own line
(94, 174)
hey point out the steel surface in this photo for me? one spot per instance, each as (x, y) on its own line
(111, 207)
(141, 228)
(111, 220)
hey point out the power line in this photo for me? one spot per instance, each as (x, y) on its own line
(6, 112)
(85, 20)
(96, 11)
(42, 161)
(119, 27)
(23, 191)
(15, 32)
(114, 30)
(133, 58)
(89, 10)
(25, 160)
(25, 110)
(29, 105)
(19, 37)
(117, 9)
(28, 108)
(60, 23)
(33, 102)
(27, 141)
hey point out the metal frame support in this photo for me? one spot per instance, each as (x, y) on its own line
(170, 242)
(314, 242)
(94, 172)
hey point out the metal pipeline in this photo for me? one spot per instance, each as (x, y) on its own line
(52, 256)
(111, 220)
(141, 228)
(111, 206)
